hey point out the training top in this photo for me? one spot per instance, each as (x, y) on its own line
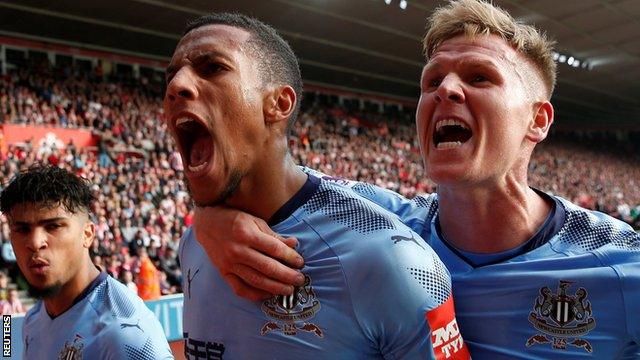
(107, 321)
(374, 290)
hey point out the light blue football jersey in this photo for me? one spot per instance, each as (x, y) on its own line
(108, 321)
(373, 287)
(575, 295)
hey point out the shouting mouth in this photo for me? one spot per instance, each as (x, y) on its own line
(451, 133)
(195, 143)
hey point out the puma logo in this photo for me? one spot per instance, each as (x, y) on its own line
(136, 325)
(397, 238)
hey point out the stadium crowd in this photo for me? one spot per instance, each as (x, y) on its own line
(143, 205)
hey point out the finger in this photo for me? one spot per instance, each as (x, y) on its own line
(290, 242)
(277, 249)
(257, 280)
(269, 268)
(274, 249)
(241, 289)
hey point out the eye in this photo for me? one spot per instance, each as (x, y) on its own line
(433, 82)
(20, 229)
(52, 226)
(211, 68)
(479, 79)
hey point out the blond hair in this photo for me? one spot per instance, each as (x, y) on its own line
(477, 17)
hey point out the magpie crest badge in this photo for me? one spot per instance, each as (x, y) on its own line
(292, 313)
(562, 318)
(72, 351)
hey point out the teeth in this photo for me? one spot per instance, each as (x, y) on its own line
(448, 122)
(182, 121)
(197, 168)
(449, 145)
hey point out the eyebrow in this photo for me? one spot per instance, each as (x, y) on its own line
(198, 58)
(464, 62)
(40, 222)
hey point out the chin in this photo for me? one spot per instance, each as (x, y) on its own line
(448, 176)
(44, 291)
(203, 191)
(204, 201)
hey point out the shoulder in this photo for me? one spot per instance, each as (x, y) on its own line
(615, 244)
(373, 243)
(345, 207)
(133, 331)
(33, 314)
(592, 231)
(134, 340)
(186, 241)
(114, 297)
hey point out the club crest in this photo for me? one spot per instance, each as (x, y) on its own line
(562, 318)
(72, 351)
(291, 313)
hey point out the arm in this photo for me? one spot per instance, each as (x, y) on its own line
(628, 270)
(408, 308)
(255, 261)
(135, 338)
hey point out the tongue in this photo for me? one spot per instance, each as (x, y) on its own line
(200, 151)
(453, 133)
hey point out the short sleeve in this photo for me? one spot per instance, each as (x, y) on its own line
(134, 339)
(402, 299)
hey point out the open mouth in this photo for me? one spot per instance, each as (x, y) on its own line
(451, 133)
(196, 143)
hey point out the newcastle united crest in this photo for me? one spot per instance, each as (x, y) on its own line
(562, 318)
(72, 351)
(292, 313)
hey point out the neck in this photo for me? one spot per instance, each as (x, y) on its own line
(490, 219)
(61, 302)
(262, 192)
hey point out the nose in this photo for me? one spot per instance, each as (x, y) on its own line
(449, 89)
(182, 86)
(36, 240)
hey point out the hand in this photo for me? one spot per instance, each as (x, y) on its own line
(248, 254)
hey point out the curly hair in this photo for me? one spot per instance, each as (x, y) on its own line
(48, 186)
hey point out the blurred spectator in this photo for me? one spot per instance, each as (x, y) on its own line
(4, 286)
(142, 200)
(12, 305)
(126, 277)
(148, 278)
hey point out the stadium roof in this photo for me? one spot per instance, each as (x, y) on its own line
(368, 46)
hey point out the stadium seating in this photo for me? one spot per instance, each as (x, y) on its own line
(137, 172)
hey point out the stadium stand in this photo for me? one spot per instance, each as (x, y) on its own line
(143, 202)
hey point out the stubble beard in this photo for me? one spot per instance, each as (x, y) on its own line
(229, 189)
(45, 292)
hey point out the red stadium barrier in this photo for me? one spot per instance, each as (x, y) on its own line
(44, 135)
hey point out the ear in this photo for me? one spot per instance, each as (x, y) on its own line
(541, 122)
(279, 105)
(88, 234)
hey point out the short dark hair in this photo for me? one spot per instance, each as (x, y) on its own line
(48, 186)
(277, 61)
